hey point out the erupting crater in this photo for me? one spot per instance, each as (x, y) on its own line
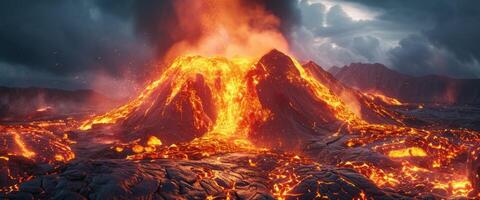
(273, 101)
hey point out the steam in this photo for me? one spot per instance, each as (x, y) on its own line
(351, 102)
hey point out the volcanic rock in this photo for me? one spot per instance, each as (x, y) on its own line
(211, 177)
(297, 114)
(173, 122)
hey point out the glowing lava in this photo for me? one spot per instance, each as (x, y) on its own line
(22, 146)
(236, 107)
(375, 96)
(232, 86)
(407, 152)
(222, 98)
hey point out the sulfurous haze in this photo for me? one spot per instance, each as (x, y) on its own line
(114, 46)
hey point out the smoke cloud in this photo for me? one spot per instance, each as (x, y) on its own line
(96, 43)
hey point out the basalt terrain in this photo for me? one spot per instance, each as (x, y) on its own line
(241, 128)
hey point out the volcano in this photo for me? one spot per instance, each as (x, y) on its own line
(274, 102)
(242, 128)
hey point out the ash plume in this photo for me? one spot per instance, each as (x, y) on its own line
(160, 22)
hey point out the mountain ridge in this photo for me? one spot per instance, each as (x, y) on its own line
(429, 89)
(23, 102)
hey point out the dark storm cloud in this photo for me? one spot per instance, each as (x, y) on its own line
(366, 46)
(456, 24)
(286, 10)
(65, 38)
(330, 36)
(416, 55)
(416, 37)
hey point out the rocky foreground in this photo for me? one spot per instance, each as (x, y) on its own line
(201, 169)
(243, 175)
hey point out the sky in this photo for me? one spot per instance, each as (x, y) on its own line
(111, 45)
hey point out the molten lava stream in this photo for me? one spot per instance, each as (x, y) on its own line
(429, 160)
(375, 96)
(23, 146)
(237, 109)
(236, 105)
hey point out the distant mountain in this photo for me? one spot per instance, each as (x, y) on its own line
(35, 102)
(406, 88)
(333, 70)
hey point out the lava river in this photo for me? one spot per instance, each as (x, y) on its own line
(240, 128)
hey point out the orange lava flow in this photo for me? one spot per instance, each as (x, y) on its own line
(24, 151)
(236, 106)
(323, 93)
(385, 99)
(425, 158)
(35, 142)
(421, 159)
(407, 152)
